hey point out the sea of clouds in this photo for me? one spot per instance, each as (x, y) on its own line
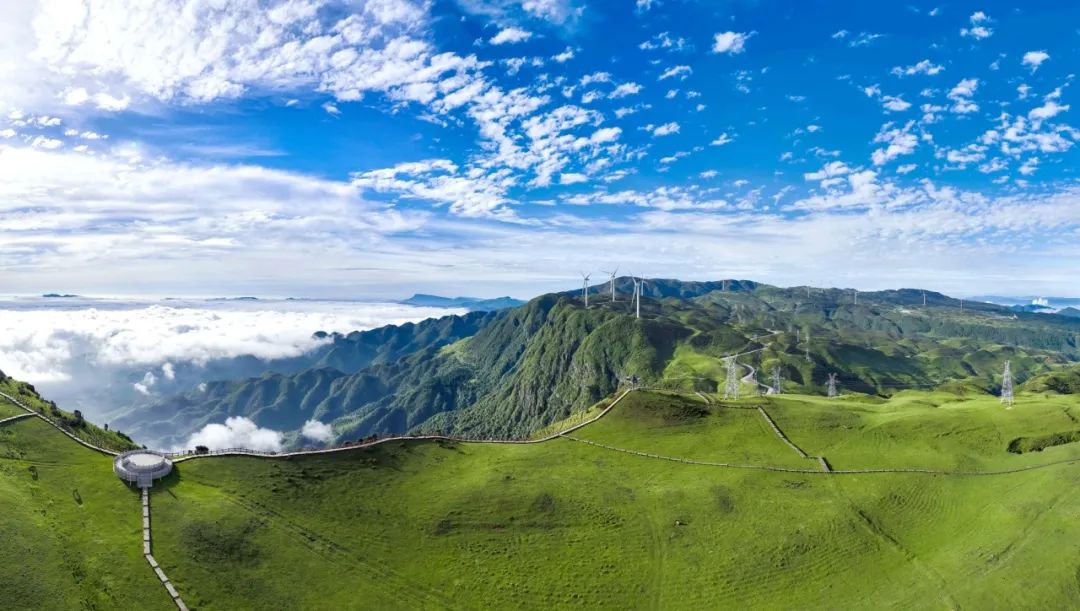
(50, 340)
(98, 354)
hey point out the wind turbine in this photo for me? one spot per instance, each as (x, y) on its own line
(638, 283)
(612, 282)
(585, 288)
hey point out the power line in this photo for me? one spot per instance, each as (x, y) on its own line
(1007, 387)
(731, 386)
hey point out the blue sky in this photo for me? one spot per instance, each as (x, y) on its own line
(349, 149)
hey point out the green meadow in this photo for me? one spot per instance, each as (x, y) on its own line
(567, 524)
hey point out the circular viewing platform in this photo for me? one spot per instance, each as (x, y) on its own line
(142, 467)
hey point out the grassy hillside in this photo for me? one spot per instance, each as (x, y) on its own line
(568, 524)
(70, 532)
(565, 524)
(73, 422)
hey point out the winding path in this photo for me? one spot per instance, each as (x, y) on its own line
(181, 457)
(34, 412)
(14, 418)
(830, 471)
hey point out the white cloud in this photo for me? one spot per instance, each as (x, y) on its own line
(895, 103)
(839, 34)
(625, 89)
(41, 142)
(1034, 59)
(721, 140)
(923, 67)
(730, 42)
(978, 29)
(236, 432)
(829, 170)
(331, 109)
(563, 57)
(595, 77)
(662, 198)
(510, 35)
(666, 129)
(1030, 166)
(317, 431)
(863, 39)
(117, 55)
(572, 178)
(1048, 110)
(676, 71)
(665, 41)
(899, 141)
(961, 96)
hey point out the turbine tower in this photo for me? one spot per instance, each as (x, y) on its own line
(832, 385)
(924, 299)
(639, 283)
(731, 385)
(776, 379)
(1007, 387)
(613, 283)
(856, 296)
(585, 288)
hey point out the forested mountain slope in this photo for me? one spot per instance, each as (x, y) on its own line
(510, 373)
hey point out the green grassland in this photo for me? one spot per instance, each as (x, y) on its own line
(70, 531)
(72, 422)
(565, 524)
(8, 409)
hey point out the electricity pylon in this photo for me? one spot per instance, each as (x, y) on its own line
(776, 379)
(1007, 387)
(832, 385)
(731, 386)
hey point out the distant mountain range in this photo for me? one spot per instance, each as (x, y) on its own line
(513, 371)
(1047, 302)
(470, 303)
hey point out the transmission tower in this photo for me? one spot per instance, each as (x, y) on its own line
(924, 299)
(776, 379)
(807, 346)
(731, 386)
(832, 385)
(856, 296)
(1007, 387)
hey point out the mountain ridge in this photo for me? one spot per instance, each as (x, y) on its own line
(517, 370)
